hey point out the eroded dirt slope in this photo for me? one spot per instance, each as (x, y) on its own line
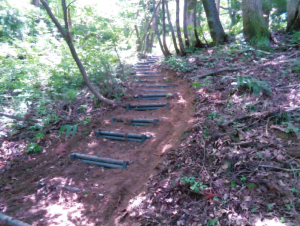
(29, 184)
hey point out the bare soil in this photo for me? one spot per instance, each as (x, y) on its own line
(29, 184)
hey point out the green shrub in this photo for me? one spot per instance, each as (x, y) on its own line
(253, 84)
(33, 148)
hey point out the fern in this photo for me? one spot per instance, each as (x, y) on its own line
(68, 129)
(253, 84)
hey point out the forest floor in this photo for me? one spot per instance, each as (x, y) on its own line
(225, 153)
(239, 164)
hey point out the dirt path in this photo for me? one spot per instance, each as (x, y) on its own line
(29, 189)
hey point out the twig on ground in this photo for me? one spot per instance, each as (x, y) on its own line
(19, 118)
(214, 73)
(279, 168)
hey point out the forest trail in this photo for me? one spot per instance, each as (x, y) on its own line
(52, 190)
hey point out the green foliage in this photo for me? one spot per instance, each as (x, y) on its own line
(253, 84)
(260, 42)
(197, 84)
(294, 190)
(212, 222)
(243, 178)
(295, 37)
(68, 129)
(33, 148)
(251, 108)
(251, 186)
(212, 115)
(291, 128)
(289, 206)
(180, 64)
(232, 184)
(270, 207)
(86, 121)
(194, 185)
(37, 69)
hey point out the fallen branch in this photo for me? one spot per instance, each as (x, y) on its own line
(19, 118)
(12, 221)
(259, 115)
(275, 167)
(214, 73)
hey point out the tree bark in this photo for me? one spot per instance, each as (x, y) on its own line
(67, 36)
(191, 17)
(138, 39)
(153, 26)
(164, 29)
(218, 2)
(215, 27)
(148, 24)
(185, 23)
(293, 15)
(255, 26)
(35, 3)
(267, 7)
(172, 29)
(183, 52)
(198, 43)
(159, 40)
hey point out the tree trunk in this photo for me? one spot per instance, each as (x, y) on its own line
(183, 53)
(293, 15)
(198, 43)
(148, 24)
(164, 29)
(153, 26)
(218, 2)
(190, 16)
(138, 39)
(172, 30)
(67, 36)
(255, 26)
(185, 23)
(215, 27)
(159, 40)
(267, 7)
(36, 3)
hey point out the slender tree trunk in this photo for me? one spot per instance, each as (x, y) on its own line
(172, 29)
(158, 38)
(183, 52)
(216, 30)
(185, 23)
(255, 26)
(293, 15)
(36, 3)
(164, 29)
(67, 36)
(138, 39)
(198, 43)
(153, 26)
(148, 24)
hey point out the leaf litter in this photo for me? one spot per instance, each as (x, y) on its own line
(239, 163)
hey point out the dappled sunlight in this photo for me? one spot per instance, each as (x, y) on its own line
(166, 148)
(107, 121)
(268, 222)
(180, 99)
(63, 213)
(294, 98)
(93, 144)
